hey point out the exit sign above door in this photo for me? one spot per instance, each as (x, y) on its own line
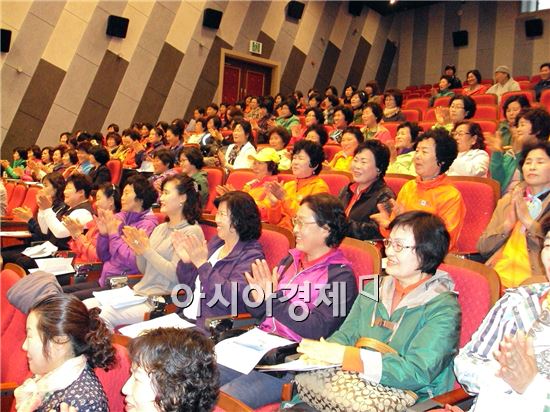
(255, 47)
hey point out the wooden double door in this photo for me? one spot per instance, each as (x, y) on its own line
(242, 78)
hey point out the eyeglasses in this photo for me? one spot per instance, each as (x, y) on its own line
(396, 245)
(452, 106)
(460, 134)
(297, 222)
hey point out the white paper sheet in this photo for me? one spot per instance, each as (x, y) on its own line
(119, 298)
(146, 166)
(169, 321)
(55, 266)
(242, 353)
(15, 233)
(297, 365)
(43, 250)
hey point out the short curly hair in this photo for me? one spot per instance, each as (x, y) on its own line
(539, 119)
(321, 132)
(380, 152)
(314, 151)
(181, 364)
(446, 149)
(318, 114)
(143, 189)
(244, 214)
(329, 212)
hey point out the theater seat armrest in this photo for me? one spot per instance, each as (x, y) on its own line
(452, 398)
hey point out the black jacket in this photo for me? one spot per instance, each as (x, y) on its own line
(361, 226)
(99, 176)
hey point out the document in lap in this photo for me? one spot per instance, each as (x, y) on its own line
(169, 321)
(55, 266)
(242, 353)
(119, 298)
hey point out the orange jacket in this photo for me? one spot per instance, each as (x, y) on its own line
(436, 196)
(295, 190)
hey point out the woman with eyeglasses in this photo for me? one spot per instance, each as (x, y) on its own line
(318, 270)
(460, 108)
(472, 159)
(417, 314)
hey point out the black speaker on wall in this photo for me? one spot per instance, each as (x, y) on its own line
(295, 9)
(460, 38)
(533, 27)
(5, 40)
(212, 18)
(355, 8)
(117, 26)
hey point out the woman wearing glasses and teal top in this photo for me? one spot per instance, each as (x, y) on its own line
(417, 315)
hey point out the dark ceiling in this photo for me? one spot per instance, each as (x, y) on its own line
(385, 8)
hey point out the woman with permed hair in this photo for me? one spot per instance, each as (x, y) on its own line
(430, 191)
(172, 370)
(64, 343)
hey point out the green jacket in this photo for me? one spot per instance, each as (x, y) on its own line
(16, 163)
(426, 339)
(288, 122)
(502, 167)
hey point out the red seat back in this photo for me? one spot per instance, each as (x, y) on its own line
(115, 167)
(276, 242)
(9, 189)
(484, 99)
(487, 126)
(545, 99)
(331, 150)
(30, 198)
(430, 115)
(364, 257)
(396, 181)
(426, 125)
(392, 128)
(480, 197)
(487, 112)
(412, 115)
(239, 177)
(114, 379)
(336, 181)
(421, 104)
(17, 198)
(442, 101)
(215, 177)
(13, 359)
(477, 286)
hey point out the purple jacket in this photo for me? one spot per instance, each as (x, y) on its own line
(229, 270)
(299, 292)
(116, 255)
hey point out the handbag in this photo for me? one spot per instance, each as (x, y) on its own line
(336, 390)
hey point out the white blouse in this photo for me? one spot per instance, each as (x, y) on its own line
(474, 162)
